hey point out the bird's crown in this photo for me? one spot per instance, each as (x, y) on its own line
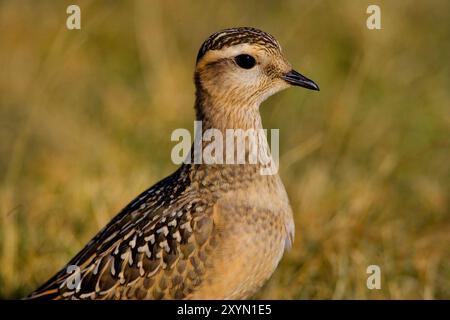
(234, 36)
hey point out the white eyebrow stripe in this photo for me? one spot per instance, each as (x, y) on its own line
(225, 53)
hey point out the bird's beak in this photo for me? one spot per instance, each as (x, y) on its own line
(296, 79)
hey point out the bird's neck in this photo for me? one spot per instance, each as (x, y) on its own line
(222, 113)
(235, 122)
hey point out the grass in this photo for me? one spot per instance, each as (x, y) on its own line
(86, 118)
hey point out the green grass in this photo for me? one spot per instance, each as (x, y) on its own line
(86, 117)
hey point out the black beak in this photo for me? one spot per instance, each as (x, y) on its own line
(296, 79)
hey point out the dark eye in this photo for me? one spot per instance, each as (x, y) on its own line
(245, 61)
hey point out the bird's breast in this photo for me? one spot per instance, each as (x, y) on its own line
(251, 233)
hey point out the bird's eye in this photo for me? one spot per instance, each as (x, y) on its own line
(245, 61)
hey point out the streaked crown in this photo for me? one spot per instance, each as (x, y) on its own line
(234, 36)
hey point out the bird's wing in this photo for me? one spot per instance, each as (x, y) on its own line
(154, 248)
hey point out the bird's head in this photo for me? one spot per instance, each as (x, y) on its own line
(244, 66)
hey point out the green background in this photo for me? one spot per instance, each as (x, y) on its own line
(86, 118)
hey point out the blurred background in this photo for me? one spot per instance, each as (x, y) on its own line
(86, 118)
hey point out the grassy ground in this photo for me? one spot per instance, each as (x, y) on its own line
(86, 118)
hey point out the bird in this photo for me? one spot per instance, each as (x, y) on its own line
(207, 231)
